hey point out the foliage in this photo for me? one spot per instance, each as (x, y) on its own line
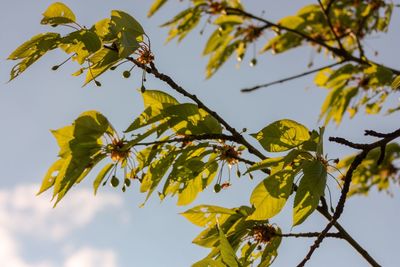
(180, 149)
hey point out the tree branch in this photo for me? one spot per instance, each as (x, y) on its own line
(240, 139)
(311, 234)
(342, 53)
(247, 90)
(328, 20)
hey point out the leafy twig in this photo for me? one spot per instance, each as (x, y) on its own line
(366, 148)
(342, 53)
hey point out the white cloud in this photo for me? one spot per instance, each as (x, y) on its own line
(22, 213)
(89, 257)
(21, 205)
(9, 252)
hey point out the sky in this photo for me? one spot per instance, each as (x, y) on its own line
(110, 230)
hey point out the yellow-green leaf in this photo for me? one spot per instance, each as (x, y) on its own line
(157, 4)
(58, 13)
(282, 135)
(204, 215)
(270, 196)
(310, 190)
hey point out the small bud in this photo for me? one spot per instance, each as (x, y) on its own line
(113, 67)
(97, 83)
(126, 74)
(123, 189)
(55, 67)
(253, 62)
(244, 130)
(143, 89)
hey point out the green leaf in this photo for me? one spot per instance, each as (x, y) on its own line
(103, 30)
(30, 51)
(122, 21)
(204, 215)
(216, 40)
(396, 83)
(101, 61)
(310, 190)
(129, 44)
(336, 103)
(82, 43)
(220, 56)
(51, 175)
(157, 4)
(279, 163)
(271, 250)
(80, 150)
(227, 253)
(282, 135)
(156, 172)
(270, 196)
(282, 43)
(102, 174)
(229, 19)
(158, 100)
(58, 13)
(207, 262)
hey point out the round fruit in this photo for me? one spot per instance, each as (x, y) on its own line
(217, 188)
(114, 181)
(126, 74)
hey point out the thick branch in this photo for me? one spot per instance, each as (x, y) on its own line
(246, 90)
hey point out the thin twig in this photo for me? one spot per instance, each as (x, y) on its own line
(189, 138)
(311, 234)
(246, 90)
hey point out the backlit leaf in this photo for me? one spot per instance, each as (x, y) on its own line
(58, 13)
(270, 196)
(310, 190)
(282, 135)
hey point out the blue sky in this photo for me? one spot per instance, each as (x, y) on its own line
(110, 230)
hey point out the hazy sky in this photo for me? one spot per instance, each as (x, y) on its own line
(110, 230)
